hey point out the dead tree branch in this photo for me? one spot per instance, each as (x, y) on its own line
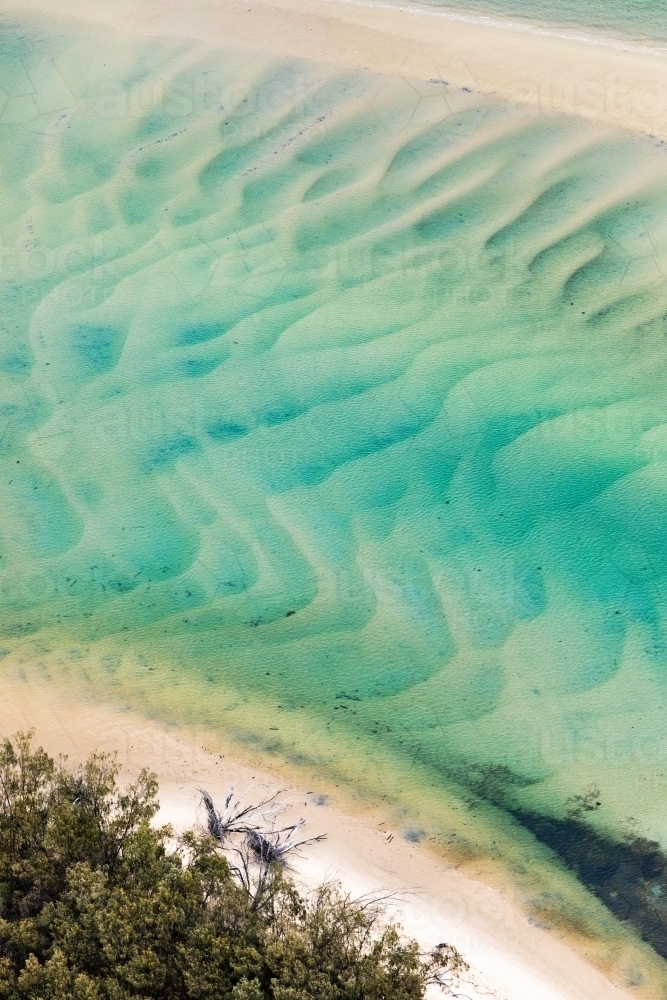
(252, 841)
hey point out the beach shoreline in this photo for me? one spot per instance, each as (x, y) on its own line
(572, 35)
(511, 957)
(602, 79)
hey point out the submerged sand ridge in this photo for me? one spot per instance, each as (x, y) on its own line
(310, 394)
(334, 412)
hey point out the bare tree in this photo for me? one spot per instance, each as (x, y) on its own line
(273, 846)
(235, 819)
(444, 967)
(254, 844)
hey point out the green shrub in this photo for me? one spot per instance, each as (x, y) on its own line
(98, 904)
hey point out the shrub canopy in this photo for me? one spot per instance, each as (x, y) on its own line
(96, 903)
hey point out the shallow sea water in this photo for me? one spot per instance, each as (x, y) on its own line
(636, 20)
(334, 417)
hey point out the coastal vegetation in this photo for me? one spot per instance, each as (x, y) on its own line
(99, 903)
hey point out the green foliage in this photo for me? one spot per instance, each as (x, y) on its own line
(98, 904)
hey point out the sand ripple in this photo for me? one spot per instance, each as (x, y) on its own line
(343, 397)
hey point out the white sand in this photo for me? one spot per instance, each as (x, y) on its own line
(509, 957)
(610, 82)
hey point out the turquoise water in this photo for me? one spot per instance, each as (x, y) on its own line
(637, 20)
(334, 416)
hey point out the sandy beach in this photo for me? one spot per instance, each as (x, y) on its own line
(510, 958)
(602, 80)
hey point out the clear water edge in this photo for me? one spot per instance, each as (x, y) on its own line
(639, 21)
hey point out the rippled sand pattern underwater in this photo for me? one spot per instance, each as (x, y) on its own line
(334, 412)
